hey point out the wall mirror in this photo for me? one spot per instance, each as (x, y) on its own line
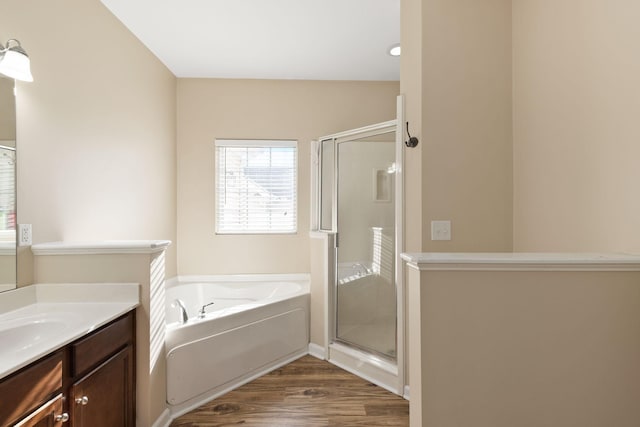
(8, 218)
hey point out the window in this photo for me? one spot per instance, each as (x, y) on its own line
(256, 186)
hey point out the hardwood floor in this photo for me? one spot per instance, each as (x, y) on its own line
(308, 393)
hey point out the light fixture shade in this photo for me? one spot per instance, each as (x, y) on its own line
(395, 50)
(15, 63)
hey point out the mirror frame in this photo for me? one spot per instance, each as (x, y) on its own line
(9, 222)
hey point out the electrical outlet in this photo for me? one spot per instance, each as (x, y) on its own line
(24, 234)
(440, 230)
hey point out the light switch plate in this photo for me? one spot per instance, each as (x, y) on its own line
(440, 230)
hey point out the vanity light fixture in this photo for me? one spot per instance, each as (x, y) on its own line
(14, 61)
(395, 50)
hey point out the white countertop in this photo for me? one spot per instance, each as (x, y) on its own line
(523, 260)
(56, 314)
(101, 247)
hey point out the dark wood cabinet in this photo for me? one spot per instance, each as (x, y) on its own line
(105, 396)
(50, 414)
(88, 383)
(33, 386)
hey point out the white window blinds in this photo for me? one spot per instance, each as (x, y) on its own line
(256, 186)
(7, 188)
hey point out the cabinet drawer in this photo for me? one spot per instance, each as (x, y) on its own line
(45, 416)
(30, 388)
(90, 351)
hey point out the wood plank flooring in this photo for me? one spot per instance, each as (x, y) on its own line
(308, 393)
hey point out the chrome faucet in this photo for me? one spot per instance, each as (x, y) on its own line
(184, 316)
(362, 270)
(202, 313)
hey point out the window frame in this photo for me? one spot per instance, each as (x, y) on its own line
(255, 143)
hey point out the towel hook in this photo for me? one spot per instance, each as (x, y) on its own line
(413, 141)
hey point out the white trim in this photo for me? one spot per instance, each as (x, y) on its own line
(317, 351)
(522, 261)
(104, 247)
(314, 159)
(330, 279)
(8, 248)
(362, 132)
(400, 238)
(235, 278)
(288, 143)
(406, 393)
(164, 420)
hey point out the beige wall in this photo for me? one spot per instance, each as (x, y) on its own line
(319, 270)
(96, 129)
(7, 109)
(573, 108)
(259, 109)
(411, 68)
(576, 109)
(456, 75)
(525, 348)
(466, 123)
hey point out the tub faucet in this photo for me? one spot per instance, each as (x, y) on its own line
(362, 270)
(202, 313)
(184, 317)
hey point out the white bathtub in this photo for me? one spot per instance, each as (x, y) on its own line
(256, 324)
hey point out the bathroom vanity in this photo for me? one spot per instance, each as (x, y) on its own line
(69, 363)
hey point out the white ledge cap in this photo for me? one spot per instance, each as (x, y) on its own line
(8, 248)
(523, 260)
(101, 247)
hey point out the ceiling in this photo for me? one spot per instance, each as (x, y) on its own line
(268, 39)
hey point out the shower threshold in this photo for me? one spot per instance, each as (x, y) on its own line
(378, 369)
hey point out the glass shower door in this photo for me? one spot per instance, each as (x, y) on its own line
(365, 288)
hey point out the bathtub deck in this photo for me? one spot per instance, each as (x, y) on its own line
(308, 392)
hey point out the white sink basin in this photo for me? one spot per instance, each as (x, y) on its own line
(23, 332)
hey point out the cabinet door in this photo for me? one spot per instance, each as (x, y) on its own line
(105, 397)
(48, 415)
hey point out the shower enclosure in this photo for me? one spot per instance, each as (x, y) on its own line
(358, 207)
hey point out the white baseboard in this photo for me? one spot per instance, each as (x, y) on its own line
(317, 351)
(164, 419)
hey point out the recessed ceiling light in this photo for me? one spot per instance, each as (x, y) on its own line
(395, 50)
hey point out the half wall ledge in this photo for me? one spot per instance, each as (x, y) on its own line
(497, 338)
